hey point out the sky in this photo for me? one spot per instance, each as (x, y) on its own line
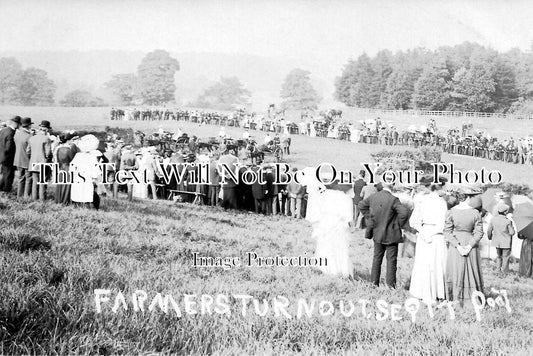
(317, 35)
(320, 31)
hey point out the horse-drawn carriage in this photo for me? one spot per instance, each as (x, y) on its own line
(258, 152)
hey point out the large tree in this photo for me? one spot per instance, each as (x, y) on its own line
(227, 94)
(156, 77)
(381, 70)
(123, 86)
(506, 91)
(407, 67)
(474, 87)
(297, 91)
(10, 72)
(462, 77)
(354, 85)
(35, 88)
(432, 89)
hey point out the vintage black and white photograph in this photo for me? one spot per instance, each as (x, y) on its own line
(252, 177)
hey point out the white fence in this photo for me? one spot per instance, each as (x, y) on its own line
(437, 114)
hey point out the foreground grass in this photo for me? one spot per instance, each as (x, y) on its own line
(53, 257)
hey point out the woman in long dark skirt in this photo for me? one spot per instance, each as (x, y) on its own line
(63, 155)
(463, 230)
(525, 267)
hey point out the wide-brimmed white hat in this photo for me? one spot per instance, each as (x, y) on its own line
(88, 143)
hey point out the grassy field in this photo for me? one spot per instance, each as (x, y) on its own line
(54, 257)
(74, 117)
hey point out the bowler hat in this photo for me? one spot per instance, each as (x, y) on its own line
(16, 119)
(25, 122)
(45, 124)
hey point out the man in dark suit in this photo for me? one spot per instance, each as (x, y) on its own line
(228, 185)
(21, 161)
(39, 150)
(358, 185)
(214, 187)
(260, 192)
(7, 154)
(385, 218)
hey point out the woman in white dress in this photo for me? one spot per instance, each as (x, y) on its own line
(330, 211)
(147, 167)
(312, 132)
(85, 164)
(139, 189)
(428, 217)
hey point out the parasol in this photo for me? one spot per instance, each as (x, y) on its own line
(489, 200)
(523, 215)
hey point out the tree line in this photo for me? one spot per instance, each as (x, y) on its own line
(465, 77)
(32, 87)
(29, 87)
(153, 84)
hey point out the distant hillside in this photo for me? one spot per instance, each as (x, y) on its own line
(90, 69)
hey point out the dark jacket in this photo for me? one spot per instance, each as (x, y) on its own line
(7, 146)
(385, 217)
(259, 191)
(229, 161)
(357, 188)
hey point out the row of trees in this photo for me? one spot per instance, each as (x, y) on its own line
(30, 86)
(466, 77)
(296, 93)
(153, 84)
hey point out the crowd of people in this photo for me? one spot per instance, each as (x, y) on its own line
(24, 147)
(463, 141)
(445, 225)
(448, 227)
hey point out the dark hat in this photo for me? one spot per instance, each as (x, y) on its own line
(25, 122)
(191, 157)
(45, 124)
(426, 180)
(16, 119)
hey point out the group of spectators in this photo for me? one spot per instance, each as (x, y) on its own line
(447, 229)
(463, 141)
(23, 147)
(25, 150)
